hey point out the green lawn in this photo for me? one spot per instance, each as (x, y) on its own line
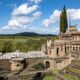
(69, 77)
(74, 70)
(50, 77)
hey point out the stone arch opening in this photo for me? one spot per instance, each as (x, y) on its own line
(47, 64)
(25, 63)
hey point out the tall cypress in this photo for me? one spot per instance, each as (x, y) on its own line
(63, 20)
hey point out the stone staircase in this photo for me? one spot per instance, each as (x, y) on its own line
(72, 71)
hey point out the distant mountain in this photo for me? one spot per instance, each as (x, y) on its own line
(27, 34)
(32, 34)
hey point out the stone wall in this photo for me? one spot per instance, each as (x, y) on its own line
(5, 64)
(16, 65)
(10, 65)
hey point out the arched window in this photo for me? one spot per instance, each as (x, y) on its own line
(57, 52)
(47, 65)
(65, 49)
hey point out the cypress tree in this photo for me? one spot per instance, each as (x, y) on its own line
(63, 21)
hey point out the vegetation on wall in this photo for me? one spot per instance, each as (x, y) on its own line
(39, 66)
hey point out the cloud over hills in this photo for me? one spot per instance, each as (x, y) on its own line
(22, 17)
(24, 9)
(74, 14)
(31, 15)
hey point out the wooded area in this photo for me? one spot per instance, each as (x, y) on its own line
(22, 43)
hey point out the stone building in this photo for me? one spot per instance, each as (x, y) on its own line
(63, 50)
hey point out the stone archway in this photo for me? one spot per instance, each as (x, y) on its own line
(47, 64)
(25, 63)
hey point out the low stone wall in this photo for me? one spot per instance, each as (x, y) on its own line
(5, 64)
(13, 65)
(16, 66)
(10, 65)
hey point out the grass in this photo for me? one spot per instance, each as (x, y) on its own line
(69, 77)
(49, 77)
(74, 70)
(55, 71)
(25, 43)
(78, 64)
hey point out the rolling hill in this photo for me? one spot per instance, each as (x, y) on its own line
(27, 34)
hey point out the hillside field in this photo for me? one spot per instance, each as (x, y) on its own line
(22, 43)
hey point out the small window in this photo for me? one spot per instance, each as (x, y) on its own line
(57, 52)
(76, 48)
(73, 48)
(65, 50)
(18, 65)
(61, 48)
(47, 64)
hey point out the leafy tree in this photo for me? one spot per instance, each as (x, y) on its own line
(7, 47)
(63, 21)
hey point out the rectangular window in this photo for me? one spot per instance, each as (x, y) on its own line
(76, 48)
(57, 52)
(61, 48)
(73, 48)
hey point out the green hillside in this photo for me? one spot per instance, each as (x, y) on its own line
(22, 43)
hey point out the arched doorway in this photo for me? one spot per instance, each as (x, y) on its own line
(25, 63)
(47, 65)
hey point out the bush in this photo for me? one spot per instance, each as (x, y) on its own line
(39, 66)
(7, 47)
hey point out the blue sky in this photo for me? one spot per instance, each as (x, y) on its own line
(41, 16)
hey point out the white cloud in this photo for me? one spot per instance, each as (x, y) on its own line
(52, 19)
(37, 14)
(46, 30)
(24, 9)
(4, 28)
(35, 1)
(22, 18)
(74, 14)
(19, 21)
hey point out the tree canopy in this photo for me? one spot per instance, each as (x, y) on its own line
(7, 47)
